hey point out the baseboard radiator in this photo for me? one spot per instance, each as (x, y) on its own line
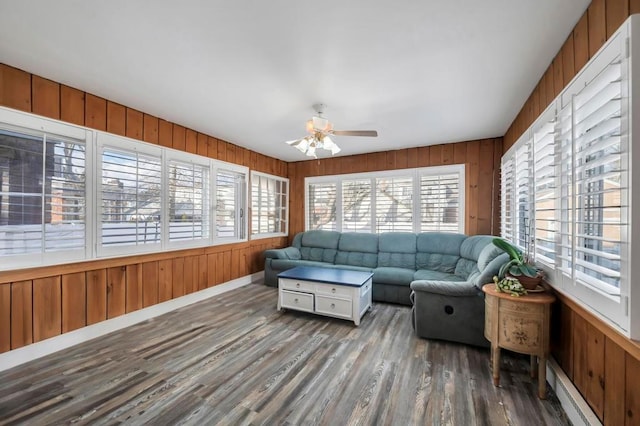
(577, 410)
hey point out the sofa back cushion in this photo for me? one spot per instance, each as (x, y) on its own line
(319, 246)
(438, 251)
(357, 249)
(397, 249)
(470, 251)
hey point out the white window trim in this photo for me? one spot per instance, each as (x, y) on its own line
(94, 141)
(414, 173)
(620, 312)
(259, 236)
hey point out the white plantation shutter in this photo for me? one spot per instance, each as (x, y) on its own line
(564, 140)
(188, 201)
(507, 179)
(41, 213)
(269, 201)
(356, 205)
(229, 204)
(545, 193)
(600, 180)
(394, 204)
(130, 198)
(440, 203)
(523, 195)
(321, 206)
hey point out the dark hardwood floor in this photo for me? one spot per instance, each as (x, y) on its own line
(234, 359)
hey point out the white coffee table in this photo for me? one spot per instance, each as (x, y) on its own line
(338, 293)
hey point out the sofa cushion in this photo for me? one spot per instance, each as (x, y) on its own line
(471, 247)
(426, 274)
(353, 268)
(393, 276)
(284, 264)
(438, 251)
(357, 249)
(397, 249)
(488, 253)
(319, 246)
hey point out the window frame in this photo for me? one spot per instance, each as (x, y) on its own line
(414, 173)
(32, 125)
(285, 207)
(242, 203)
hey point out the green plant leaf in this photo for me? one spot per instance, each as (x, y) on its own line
(515, 270)
(529, 270)
(508, 248)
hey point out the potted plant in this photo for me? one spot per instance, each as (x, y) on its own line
(518, 266)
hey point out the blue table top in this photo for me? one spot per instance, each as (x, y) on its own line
(327, 275)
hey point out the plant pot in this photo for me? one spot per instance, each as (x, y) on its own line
(530, 283)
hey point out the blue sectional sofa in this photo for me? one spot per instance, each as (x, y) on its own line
(440, 274)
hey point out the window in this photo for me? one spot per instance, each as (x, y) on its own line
(230, 201)
(42, 193)
(580, 157)
(130, 197)
(385, 201)
(269, 205)
(188, 200)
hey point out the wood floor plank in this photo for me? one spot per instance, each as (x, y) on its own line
(234, 359)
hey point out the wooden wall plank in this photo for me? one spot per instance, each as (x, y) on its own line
(222, 150)
(423, 156)
(202, 145)
(134, 124)
(165, 133)
(634, 6)
(435, 155)
(21, 314)
(74, 301)
(189, 274)
(549, 87)
(568, 64)
(150, 128)
(485, 190)
(220, 268)
(116, 119)
(632, 399)
(96, 281)
(95, 112)
(47, 308)
(179, 135)
(412, 158)
(558, 76)
(116, 291)
(45, 97)
(581, 42)
(178, 277)
(15, 88)
(614, 383)
(191, 141)
(562, 337)
(149, 283)
(597, 26)
(165, 280)
(212, 148)
(71, 105)
(588, 364)
(133, 280)
(616, 11)
(203, 277)
(471, 193)
(227, 266)
(231, 153)
(497, 156)
(5, 317)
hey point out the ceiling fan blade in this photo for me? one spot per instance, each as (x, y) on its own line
(370, 133)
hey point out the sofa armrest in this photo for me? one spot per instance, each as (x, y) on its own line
(284, 253)
(447, 288)
(486, 276)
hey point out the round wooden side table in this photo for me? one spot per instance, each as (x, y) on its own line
(519, 324)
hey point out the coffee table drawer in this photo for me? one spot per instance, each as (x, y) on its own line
(334, 290)
(333, 307)
(297, 285)
(296, 300)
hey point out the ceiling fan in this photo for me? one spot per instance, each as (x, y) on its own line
(320, 129)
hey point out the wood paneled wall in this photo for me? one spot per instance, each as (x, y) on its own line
(603, 365)
(39, 303)
(481, 158)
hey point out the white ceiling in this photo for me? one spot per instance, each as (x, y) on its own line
(419, 72)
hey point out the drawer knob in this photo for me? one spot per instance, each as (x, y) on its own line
(333, 306)
(295, 300)
(333, 290)
(298, 285)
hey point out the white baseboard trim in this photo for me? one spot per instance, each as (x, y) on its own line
(574, 405)
(54, 344)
